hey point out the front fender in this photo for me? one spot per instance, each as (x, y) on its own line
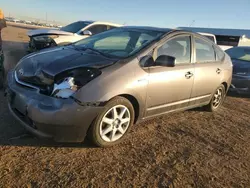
(118, 79)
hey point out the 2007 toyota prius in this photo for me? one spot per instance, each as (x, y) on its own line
(102, 85)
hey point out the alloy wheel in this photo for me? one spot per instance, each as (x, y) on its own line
(115, 123)
(218, 97)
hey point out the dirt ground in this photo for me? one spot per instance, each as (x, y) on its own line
(186, 149)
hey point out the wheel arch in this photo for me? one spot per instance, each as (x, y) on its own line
(135, 104)
(225, 85)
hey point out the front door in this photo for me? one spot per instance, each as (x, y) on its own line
(170, 88)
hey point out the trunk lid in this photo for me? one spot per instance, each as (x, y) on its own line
(38, 32)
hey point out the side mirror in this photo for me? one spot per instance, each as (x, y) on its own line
(166, 61)
(87, 32)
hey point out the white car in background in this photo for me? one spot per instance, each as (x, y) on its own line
(244, 41)
(210, 36)
(45, 38)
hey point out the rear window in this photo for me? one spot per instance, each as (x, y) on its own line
(75, 27)
(227, 40)
(239, 53)
(219, 53)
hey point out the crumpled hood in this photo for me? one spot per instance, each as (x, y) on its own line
(37, 32)
(57, 60)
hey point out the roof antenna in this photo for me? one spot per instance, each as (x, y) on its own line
(191, 23)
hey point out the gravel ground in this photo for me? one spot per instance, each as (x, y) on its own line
(186, 149)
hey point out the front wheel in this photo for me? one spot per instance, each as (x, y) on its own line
(113, 123)
(217, 99)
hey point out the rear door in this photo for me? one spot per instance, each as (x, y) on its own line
(208, 72)
(170, 88)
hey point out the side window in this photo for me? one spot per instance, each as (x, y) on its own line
(178, 47)
(204, 51)
(97, 29)
(219, 54)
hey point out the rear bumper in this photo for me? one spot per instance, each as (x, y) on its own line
(62, 120)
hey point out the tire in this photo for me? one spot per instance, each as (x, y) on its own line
(118, 125)
(211, 107)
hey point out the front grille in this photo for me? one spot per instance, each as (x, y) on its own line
(43, 89)
(23, 83)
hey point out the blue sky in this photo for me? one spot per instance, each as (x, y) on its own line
(161, 13)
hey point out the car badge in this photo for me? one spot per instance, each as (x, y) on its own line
(21, 71)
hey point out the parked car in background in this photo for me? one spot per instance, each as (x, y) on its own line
(27, 22)
(244, 41)
(102, 85)
(9, 19)
(45, 38)
(241, 71)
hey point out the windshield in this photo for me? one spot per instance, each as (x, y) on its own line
(239, 53)
(75, 27)
(119, 42)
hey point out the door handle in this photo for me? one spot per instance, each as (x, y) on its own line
(218, 71)
(189, 74)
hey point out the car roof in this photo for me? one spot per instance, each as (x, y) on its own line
(208, 34)
(100, 22)
(148, 28)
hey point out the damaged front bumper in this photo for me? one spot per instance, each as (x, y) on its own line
(62, 120)
(240, 84)
(39, 45)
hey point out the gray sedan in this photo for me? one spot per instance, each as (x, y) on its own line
(102, 85)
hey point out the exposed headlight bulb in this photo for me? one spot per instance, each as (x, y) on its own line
(65, 89)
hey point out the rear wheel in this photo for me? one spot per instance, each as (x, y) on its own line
(111, 126)
(217, 99)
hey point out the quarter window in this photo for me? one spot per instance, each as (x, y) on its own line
(179, 47)
(204, 51)
(219, 54)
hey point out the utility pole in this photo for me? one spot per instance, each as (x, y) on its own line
(46, 18)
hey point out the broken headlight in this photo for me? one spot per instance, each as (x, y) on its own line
(69, 82)
(65, 89)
